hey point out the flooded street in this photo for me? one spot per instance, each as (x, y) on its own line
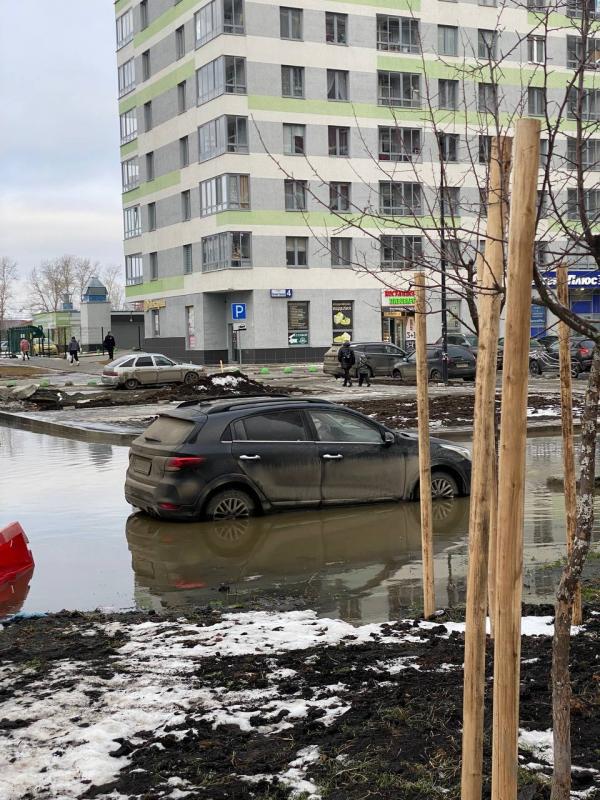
(359, 564)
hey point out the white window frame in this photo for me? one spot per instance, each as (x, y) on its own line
(132, 222)
(338, 85)
(404, 251)
(130, 174)
(126, 77)
(341, 252)
(289, 18)
(124, 26)
(339, 23)
(405, 198)
(299, 245)
(293, 78)
(228, 192)
(536, 49)
(216, 133)
(134, 269)
(128, 125)
(292, 134)
(399, 89)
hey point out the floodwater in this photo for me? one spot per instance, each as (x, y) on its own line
(359, 563)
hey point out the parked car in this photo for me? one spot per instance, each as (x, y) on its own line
(45, 348)
(548, 360)
(237, 457)
(535, 346)
(384, 358)
(467, 340)
(142, 369)
(461, 363)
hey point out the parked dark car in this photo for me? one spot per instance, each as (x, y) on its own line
(461, 363)
(238, 457)
(547, 360)
(384, 358)
(467, 340)
(535, 346)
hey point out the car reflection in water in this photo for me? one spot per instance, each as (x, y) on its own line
(361, 563)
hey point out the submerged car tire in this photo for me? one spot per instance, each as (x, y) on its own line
(534, 368)
(230, 504)
(191, 378)
(443, 485)
(131, 383)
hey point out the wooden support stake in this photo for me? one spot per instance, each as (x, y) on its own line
(483, 494)
(566, 412)
(511, 466)
(424, 446)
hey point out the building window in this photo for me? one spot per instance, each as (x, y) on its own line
(146, 65)
(485, 149)
(536, 101)
(128, 125)
(400, 252)
(186, 205)
(148, 116)
(126, 76)
(233, 17)
(590, 153)
(132, 224)
(543, 153)
(290, 23)
(130, 174)
(295, 195)
(134, 270)
(339, 196)
(487, 44)
(400, 199)
(542, 202)
(336, 28)
(292, 81)
(187, 259)
(400, 34)
(399, 144)
(180, 42)
(590, 104)
(150, 166)
(190, 327)
(492, 3)
(153, 266)
(155, 320)
(536, 49)
(207, 25)
(223, 135)
(337, 84)
(143, 15)
(338, 140)
(229, 250)
(293, 139)
(451, 195)
(448, 94)
(341, 251)
(487, 98)
(225, 193)
(296, 248)
(184, 152)
(151, 216)
(447, 40)
(448, 143)
(124, 28)
(399, 89)
(224, 75)
(591, 204)
(219, 16)
(576, 57)
(181, 97)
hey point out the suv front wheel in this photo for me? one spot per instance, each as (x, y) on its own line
(230, 504)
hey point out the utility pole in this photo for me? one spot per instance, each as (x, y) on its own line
(443, 262)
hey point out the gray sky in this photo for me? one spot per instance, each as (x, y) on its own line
(59, 146)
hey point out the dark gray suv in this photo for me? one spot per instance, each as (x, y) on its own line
(238, 457)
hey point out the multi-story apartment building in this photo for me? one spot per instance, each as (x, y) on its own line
(279, 160)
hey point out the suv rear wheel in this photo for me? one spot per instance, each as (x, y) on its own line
(230, 504)
(443, 485)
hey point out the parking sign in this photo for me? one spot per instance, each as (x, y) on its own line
(238, 311)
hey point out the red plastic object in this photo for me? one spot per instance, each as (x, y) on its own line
(16, 568)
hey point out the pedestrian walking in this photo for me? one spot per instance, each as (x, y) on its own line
(347, 360)
(74, 350)
(109, 345)
(24, 347)
(364, 370)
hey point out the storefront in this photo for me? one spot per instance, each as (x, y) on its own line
(398, 317)
(584, 298)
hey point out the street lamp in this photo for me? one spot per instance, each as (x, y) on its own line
(443, 263)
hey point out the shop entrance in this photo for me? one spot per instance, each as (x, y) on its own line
(398, 329)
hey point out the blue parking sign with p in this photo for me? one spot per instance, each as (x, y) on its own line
(238, 311)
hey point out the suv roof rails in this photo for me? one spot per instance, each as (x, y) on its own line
(219, 404)
(222, 397)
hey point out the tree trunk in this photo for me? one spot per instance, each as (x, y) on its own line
(561, 680)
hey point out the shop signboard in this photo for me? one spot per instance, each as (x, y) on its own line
(342, 315)
(298, 322)
(282, 293)
(397, 299)
(578, 279)
(154, 305)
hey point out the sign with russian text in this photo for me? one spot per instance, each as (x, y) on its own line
(394, 298)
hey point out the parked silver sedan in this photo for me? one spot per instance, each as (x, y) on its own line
(143, 369)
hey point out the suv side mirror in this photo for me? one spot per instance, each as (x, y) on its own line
(388, 438)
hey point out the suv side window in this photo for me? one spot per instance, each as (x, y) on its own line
(275, 426)
(144, 361)
(372, 348)
(336, 426)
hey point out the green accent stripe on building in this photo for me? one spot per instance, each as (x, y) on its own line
(162, 182)
(130, 147)
(121, 5)
(156, 287)
(163, 84)
(316, 219)
(165, 19)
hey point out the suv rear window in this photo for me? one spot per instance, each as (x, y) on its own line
(168, 430)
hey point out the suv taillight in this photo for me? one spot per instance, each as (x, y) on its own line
(184, 462)
(584, 351)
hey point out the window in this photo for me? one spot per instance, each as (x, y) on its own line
(233, 17)
(180, 42)
(591, 204)
(290, 23)
(488, 3)
(155, 331)
(144, 361)
(190, 327)
(447, 40)
(206, 22)
(134, 270)
(399, 144)
(209, 22)
(337, 426)
(293, 139)
(128, 124)
(224, 75)
(130, 174)
(151, 216)
(397, 33)
(181, 97)
(400, 199)
(149, 166)
(536, 101)
(153, 266)
(223, 193)
(339, 196)
(229, 250)
(186, 205)
(336, 28)
(451, 195)
(337, 84)
(541, 254)
(399, 89)
(575, 8)
(536, 49)
(448, 143)
(543, 153)
(487, 44)
(448, 94)
(223, 135)
(341, 251)
(143, 15)
(485, 149)
(487, 98)
(338, 139)
(276, 426)
(146, 65)
(590, 153)
(126, 76)
(148, 116)
(184, 152)
(295, 195)
(132, 224)
(590, 105)
(400, 252)
(124, 28)
(542, 202)
(575, 55)
(296, 248)
(187, 259)
(292, 81)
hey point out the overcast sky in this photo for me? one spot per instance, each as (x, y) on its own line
(59, 146)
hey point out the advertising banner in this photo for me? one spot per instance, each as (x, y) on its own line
(342, 315)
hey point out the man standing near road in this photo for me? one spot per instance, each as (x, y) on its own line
(74, 350)
(347, 360)
(109, 345)
(24, 347)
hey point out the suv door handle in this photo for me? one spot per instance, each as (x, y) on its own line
(249, 458)
(330, 456)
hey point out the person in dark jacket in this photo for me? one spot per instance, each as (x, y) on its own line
(364, 370)
(347, 360)
(74, 350)
(109, 345)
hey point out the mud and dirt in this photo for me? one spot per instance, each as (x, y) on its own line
(11, 371)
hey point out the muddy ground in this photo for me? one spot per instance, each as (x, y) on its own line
(10, 371)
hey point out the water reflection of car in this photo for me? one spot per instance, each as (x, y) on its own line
(132, 371)
(547, 359)
(461, 364)
(384, 358)
(241, 456)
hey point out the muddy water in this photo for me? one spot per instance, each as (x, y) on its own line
(359, 563)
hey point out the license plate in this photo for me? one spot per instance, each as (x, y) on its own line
(142, 465)
(462, 363)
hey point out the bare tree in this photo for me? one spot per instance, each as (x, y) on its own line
(8, 276)
(48, 283)
(112, 279)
